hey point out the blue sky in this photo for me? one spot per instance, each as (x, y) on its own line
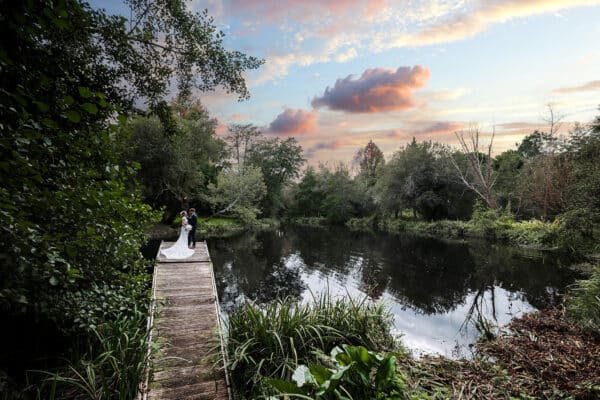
(398, 69)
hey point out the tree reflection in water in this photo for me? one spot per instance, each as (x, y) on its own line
(421, 277)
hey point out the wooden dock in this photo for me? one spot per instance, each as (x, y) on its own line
(186, 327)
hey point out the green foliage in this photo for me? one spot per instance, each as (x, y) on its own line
(351, 372)
(71, 216)
(308, 195)
(112, 367)
(271, 341)
(280, 162)
(583, 302)
(418, 178)
(175, 167)
(238, 193)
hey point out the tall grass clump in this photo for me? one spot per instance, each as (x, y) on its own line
(269, 341)
(112, 366)
(583, 304)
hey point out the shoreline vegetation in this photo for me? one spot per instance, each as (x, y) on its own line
(531, 234)
(282, 348)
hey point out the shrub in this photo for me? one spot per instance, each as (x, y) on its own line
(583, 304)
(351, 372)
(270, 341)
(111, 367)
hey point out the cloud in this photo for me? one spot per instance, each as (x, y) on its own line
(330, 145)
(238, 117)
(377, 90)
(510, 126)
(468, 24)
(294, 122)
(342, 29)
(438, 128)
(586, 87)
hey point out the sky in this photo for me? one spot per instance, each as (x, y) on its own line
(339, 73)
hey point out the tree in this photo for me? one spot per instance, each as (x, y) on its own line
(238, 193)
(280, 162)
(480, 176)
(72, 221)
(416, 178)
(508, 167)
(370, 159)
(240, 139)
(176, 169)
(533, 144)
(309, 195)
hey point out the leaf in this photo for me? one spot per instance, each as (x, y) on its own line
(53, 281)
(68, 100)
(43, 107)
(73, 116)
(386, 372)
(122, 118)
(284, 386)
(90, 108)
(320, 373)
(85, 92)
(302, 376)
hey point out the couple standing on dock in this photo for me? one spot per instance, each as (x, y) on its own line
(186, 243)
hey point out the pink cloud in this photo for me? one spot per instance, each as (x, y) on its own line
(271, 10)
(294, 122)
(438, 128)
(331, 145)
(586, 87)
(238, 117)
(377, 90)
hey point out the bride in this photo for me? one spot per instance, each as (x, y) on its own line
(180, 249)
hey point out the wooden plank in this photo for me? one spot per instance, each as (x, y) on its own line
(200, 254)
(186, 326)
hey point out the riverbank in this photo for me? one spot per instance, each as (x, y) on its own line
(543, 355)
(533, 234)
(210, 229)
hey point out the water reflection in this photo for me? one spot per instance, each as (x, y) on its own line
(432, 286)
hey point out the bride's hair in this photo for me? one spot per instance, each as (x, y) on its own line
(183, 214)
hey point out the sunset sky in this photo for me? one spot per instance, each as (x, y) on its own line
(341, 72)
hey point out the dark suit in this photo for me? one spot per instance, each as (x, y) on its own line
(193, 221)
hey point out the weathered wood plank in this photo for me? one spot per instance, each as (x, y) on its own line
(186, 327)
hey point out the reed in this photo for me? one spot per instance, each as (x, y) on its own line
(111, 368)
(269, 341)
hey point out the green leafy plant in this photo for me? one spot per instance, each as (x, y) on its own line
(270, 341)
(352, 372)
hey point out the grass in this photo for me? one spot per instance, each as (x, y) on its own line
(583, 304)
(112, 367)
(270, 341)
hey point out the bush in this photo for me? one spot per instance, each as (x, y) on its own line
(271, 341)
(351, 372)
(583, 304)
(111, 367)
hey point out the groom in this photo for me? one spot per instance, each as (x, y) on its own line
(193, 221)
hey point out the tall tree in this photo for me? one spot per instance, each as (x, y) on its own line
(280, 162)
(370, 160)
(240, 139)
(480, 176)
(71, 222)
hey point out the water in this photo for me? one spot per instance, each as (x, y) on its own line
(431, 286)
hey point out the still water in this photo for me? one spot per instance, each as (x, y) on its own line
(432, 287)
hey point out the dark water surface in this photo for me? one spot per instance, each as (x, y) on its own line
(431, 286)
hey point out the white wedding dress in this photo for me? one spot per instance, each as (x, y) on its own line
(180, 249)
